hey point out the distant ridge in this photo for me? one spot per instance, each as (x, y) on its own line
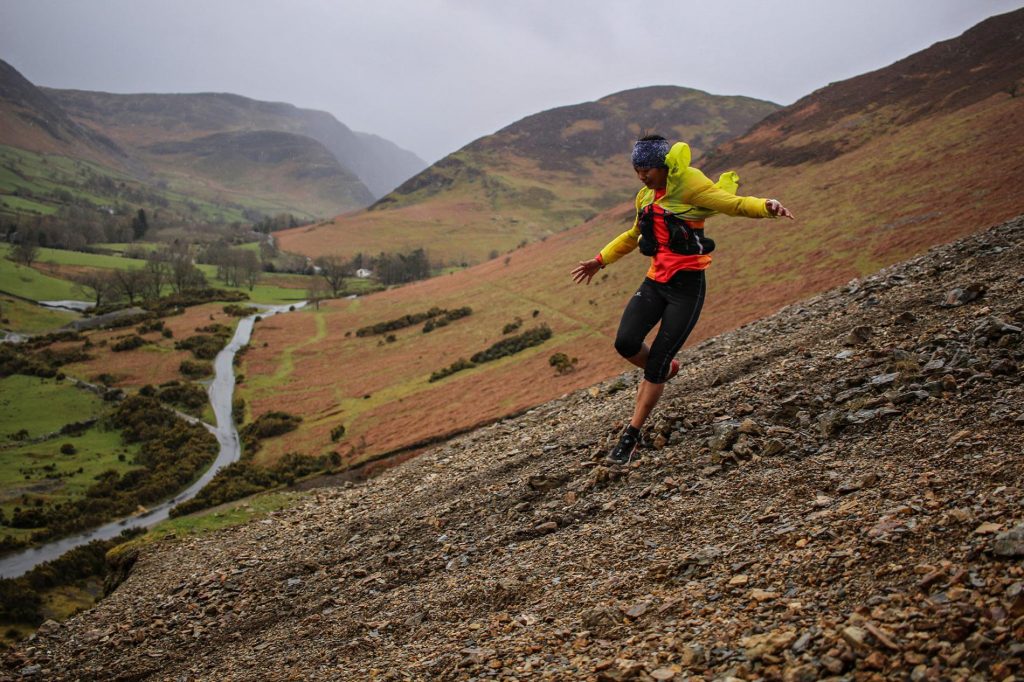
(141, 119)
(533, 178)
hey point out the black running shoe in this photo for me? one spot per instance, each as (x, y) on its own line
(624, 450)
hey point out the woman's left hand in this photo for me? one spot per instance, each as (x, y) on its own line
(776, 209)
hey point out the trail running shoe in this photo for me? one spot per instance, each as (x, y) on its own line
(625, 449)
(673, 369)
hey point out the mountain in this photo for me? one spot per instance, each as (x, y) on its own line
(530, 179)
(31, 120)
(916, 182)
(830, 492)
(138, 120)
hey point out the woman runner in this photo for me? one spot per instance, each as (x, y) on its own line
(669, 227)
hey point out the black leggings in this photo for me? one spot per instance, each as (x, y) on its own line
(677, 304)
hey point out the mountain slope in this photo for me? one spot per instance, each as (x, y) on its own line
(139, 120)
(985, 62)
(884, 201)
(831, 491)
(535, 177)
(29, 119)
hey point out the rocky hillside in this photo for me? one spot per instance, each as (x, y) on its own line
(832, 491)
(139, 120)
(537, 176)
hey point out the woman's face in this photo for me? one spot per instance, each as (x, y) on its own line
(654, 178)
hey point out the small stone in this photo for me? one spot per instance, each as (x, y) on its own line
(988, 528)
(738, 580)
(832, 664)
(662, 674)
(801, 673)
(637, 610)
(1009, 543)
(859, 335)
(547, 527)
(759, 595)
(854, 636)
(957, 297)
(749, 426)
(876, 660)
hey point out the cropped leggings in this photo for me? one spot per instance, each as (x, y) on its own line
(677, 304)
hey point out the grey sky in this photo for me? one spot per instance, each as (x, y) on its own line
(433, 75)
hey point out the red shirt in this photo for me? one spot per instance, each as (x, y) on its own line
(666, 263)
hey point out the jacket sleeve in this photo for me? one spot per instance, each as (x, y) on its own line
(625, 242)
(621, 245)
(698, 190)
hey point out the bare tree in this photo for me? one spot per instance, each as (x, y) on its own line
(334, 270)
(250, 267)
(316, 292)
(131, 283)
(98, 285)
(158, 273)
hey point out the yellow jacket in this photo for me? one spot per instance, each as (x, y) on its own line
(690, 195)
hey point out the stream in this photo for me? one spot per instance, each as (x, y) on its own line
(221, 392)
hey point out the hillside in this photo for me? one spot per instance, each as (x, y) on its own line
(857, 212)
(536, 177)
(29, 119)
(834, 490)
(140, 120)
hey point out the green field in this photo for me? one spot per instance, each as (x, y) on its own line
(30, 283)
(45, 182)
(28, 318)
(33, 465)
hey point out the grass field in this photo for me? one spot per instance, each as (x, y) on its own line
(31, 283)
(39, 470)
(47, 182)
(27, 318)
(34, 284)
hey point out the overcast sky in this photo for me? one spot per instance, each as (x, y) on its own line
(433, 75)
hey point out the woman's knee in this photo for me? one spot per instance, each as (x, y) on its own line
(627, 346)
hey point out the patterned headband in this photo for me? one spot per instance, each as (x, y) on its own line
(650, 153)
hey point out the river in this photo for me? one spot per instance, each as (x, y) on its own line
(221, 392)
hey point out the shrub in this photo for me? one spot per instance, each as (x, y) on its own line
(562, 363)
(194, 369)
(128, 343)
(189, 397)
(203, 346)
(68, 449)
(457, 366)
(240, 310)
(337, 433)
(512, 326)
(513, 344)
(268, 425)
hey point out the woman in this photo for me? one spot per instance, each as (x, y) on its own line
(669, 227)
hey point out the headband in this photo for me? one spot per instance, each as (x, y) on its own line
(650, 153)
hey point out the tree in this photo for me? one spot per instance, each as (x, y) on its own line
(316, 292)
(26, 250)
(158, 273)
(334, 270)
(250, 267)
(131, 283)
(99, 285)
(139, 225)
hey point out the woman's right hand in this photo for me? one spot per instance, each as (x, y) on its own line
(585, 271)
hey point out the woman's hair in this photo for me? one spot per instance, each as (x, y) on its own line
(650, 137)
